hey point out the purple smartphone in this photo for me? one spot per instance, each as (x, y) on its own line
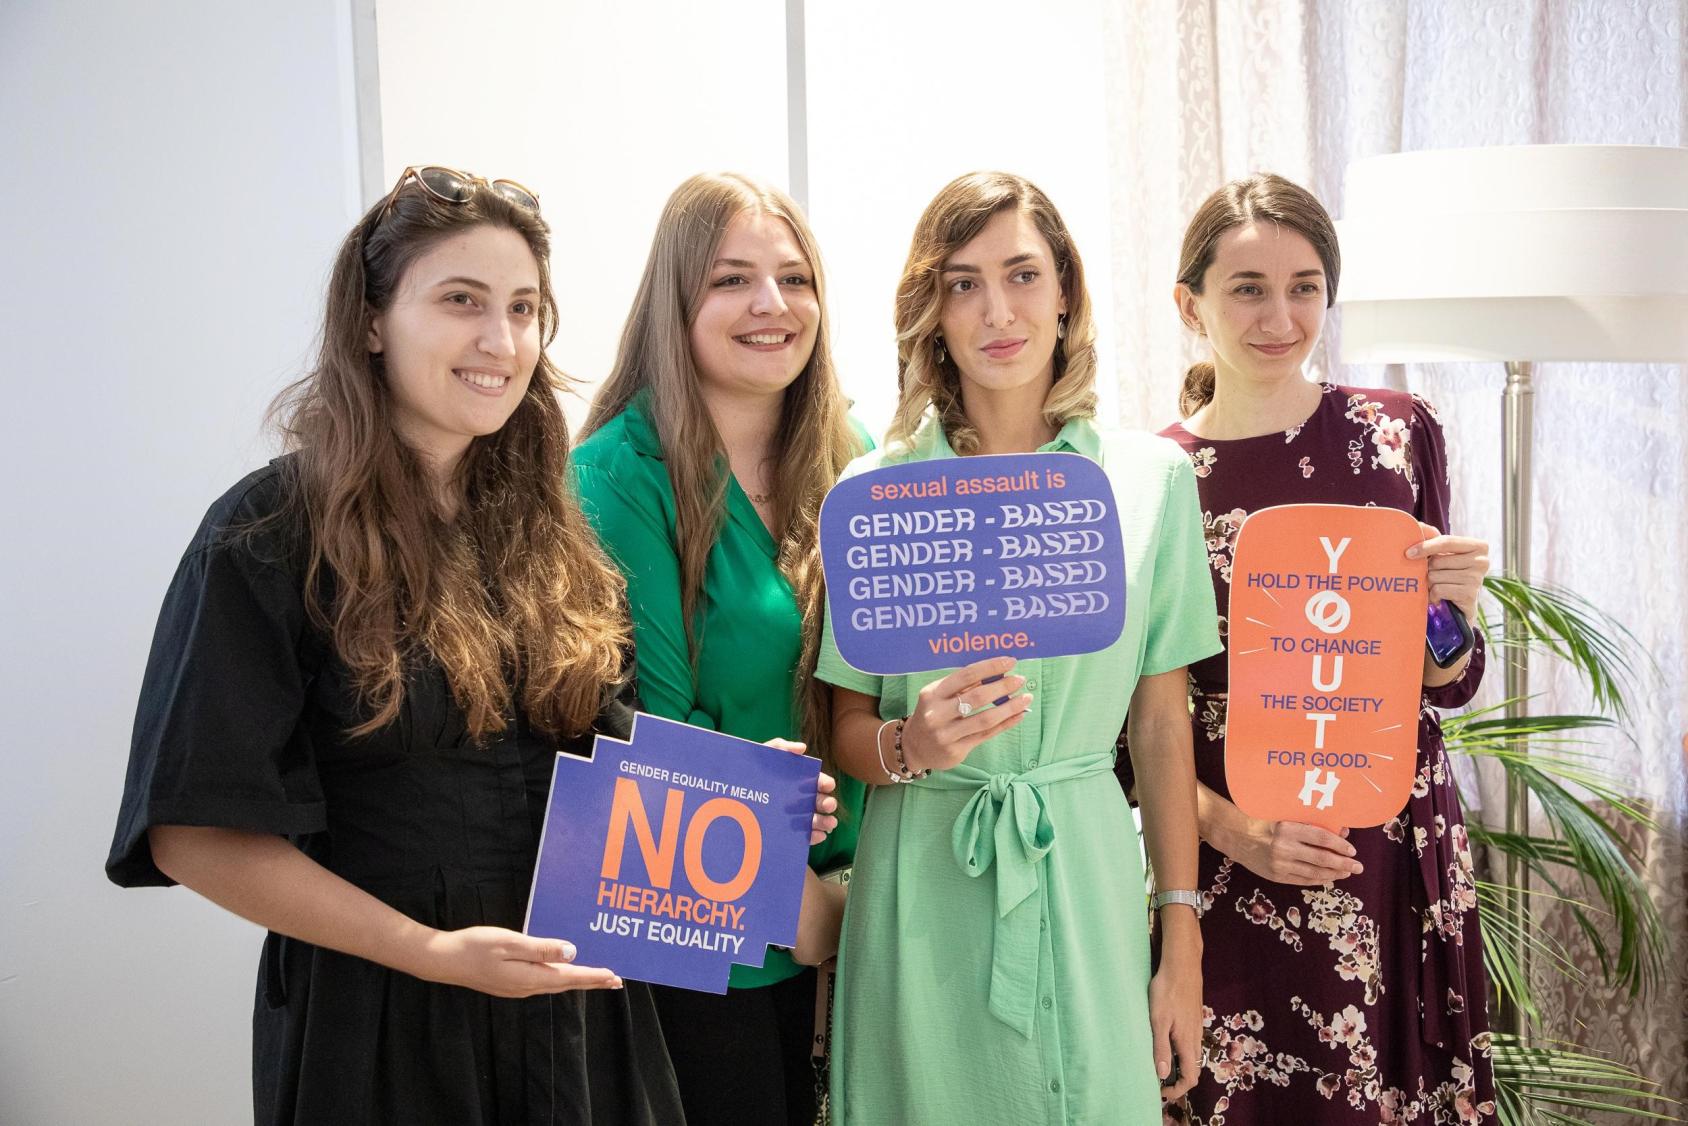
(1447, 634)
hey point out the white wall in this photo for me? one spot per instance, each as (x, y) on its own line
(178, 176)
(600, 108)
(603, 109)
(905, 97)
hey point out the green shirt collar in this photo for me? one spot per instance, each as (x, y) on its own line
(641, 432)
(1078, 436)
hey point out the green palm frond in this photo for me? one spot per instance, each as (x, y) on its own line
(1626, 933)
(1561, 744)
(1577, 855)
(1503, 937)
(1556, 621)
(1537, 1084)
(1547, 860)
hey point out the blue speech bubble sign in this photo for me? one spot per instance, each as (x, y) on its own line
(674, 855)
(934, 564)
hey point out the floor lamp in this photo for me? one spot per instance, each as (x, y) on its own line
(1517, 254)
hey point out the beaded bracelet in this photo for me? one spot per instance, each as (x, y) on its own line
(902, 759)
(879, 746)
(902, 774)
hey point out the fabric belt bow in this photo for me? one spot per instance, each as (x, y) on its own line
(1006, 825)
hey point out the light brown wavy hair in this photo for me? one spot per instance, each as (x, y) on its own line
(1264, 195)
(813, 443)
(508, 586)
(954, 218)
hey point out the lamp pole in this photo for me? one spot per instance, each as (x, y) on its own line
(1558, 253)
(1517, 427)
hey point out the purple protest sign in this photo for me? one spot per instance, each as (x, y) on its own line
(933, 564)
(671, 856)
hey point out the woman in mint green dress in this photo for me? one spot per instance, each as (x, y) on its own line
(995, 957)
(706, 456)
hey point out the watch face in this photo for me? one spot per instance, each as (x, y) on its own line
(1325, 638)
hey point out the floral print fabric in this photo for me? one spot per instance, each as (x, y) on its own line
(1362, 1001)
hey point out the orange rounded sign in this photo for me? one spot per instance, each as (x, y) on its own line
(1326, 664)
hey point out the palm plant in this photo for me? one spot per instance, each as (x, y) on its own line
(1578, 855)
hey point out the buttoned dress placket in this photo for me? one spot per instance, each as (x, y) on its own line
(1047, 1018)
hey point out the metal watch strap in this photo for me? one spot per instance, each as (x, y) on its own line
(1187, 898)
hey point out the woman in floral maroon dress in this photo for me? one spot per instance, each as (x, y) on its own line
(1343, 973)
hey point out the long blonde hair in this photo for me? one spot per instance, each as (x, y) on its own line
(1264, 195)
(813, 442)
(954, 218)
(513, 588)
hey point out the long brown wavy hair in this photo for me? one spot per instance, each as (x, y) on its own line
(508, 586)
(953, 219)
(1264, 195)
(813, 443)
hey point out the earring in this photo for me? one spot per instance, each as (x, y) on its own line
(1061, 327)
(938, 343)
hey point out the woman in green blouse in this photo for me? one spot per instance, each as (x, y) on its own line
(995, 960)
(706, 456)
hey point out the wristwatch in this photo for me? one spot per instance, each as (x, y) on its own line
(1187, 898)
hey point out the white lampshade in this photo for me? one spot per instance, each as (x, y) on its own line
(1520, 252)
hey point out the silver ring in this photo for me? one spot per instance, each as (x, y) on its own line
(963, 707)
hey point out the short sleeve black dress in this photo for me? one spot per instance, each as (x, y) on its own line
(241, 724)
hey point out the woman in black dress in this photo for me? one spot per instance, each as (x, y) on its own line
(1344, 973)
(365, 665)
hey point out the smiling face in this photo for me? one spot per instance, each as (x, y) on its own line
(1002, 306)
(460, 340)
(1262, 304)
(755, 327)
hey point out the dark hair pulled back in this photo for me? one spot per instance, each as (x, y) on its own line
(1264, 195)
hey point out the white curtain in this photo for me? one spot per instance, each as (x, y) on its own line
(1203, 91)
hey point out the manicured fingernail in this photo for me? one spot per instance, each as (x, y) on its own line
(615, 983)
(1414, 551)
(1358, 868)
(568, 952)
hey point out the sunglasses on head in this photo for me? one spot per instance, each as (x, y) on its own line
(448, 185)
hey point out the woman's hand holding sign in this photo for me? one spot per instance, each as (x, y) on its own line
(825, 804)
(1457, 566)
(1285, 852)
(822, 914)
(506, 963)
(1288, 852)
(953, 715)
